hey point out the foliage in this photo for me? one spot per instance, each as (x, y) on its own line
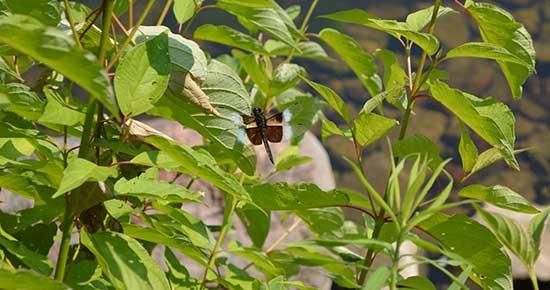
(108, 186)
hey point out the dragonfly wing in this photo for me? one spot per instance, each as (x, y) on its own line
(275, 119)
(254, 135)
(275, 133)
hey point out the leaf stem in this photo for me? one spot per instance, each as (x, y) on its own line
(164, 11)
(284, 235)
(533, 277)
(219, 241)
(132, 33)
(69, 16)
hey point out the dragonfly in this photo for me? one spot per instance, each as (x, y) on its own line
(261, 129)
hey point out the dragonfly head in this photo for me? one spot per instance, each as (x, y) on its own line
(257, 111)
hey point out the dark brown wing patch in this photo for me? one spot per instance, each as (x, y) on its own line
(275, 133)
(254, 135)
(275, 119)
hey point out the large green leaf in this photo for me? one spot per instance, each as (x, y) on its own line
(57, 112)
(25, 279)
(418, 144)
(185, 9)
(377, 279)
(270, 20)
(226, 89)
(331, 98)
(285, 76)
(58, 51)
(491, 120)
(147, 185)
(124, 261)
(361, 62)
(28, 257)
(194, 163)
(476, 245)
(394, 79)
(303, 112)
(419, 19)
(395, 28)
(500, 196)
(308, 49)
(282, 196)
(260, 261)
(290, 157)
(47, 11)
(467, 149)
(536, 229)
(19, 99)
(511, 234)
(142, 76)
(257, 224)
(417, 283)
(228, 36)
(485, 50)
(498, 27)
(369, 127)
(185, 55)
(81, 170)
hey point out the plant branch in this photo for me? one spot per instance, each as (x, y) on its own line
(132, 33)
(303, 27)
(284, 235)
(69, 16)
(164, 11)
(219, 241)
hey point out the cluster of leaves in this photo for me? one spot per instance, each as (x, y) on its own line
(109, 186)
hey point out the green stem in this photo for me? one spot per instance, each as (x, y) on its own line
(132, 33)
(533, 277)
(405, 120)
(395, 264)
(221, 238)
(83, 151)
(164, 11)
(303, 27)
(71, 23)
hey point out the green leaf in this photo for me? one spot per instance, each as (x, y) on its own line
(332, 99)
(377, 279)
(193, 163)
(58, 51)
(226, 89)
(290, 157)
(500, 196)
(285, 76)
(228, 36)
(81, 170)
(418, 144)
(491, 120)
(329, 128)
(19, 99)
(259, 259)
(369, 127)
(475, 244)
(257, 224)
(395, 28)
(28, 257)
(325, 222)
(293, 11)
(308, 49)
(185, 55)
(30, 280)
(185, 9)
(142, 76)
(489, 157)
(167, 237)
(361, 62)
(124, 261)
(57, 112)
(255, 70)
(266, 19)
(498, 27)
(485, 50)
(418, 20)
(467, 149)
(417, 283)
(47, 11)
(192, 227)
(147, 186)
(510, 234)
(394, 78)
(536, 229)
(303, 110)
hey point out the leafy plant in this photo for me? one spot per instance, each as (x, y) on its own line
(107, 189)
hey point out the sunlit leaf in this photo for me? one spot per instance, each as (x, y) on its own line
(369, 127)
(228, 36)
(81, 170)
(331, 98)
(500, 196)
(418, 144)
(185, 9)
(536, 230)
(419, 19)
(25, 279)
(467, 149)
(57, 112)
